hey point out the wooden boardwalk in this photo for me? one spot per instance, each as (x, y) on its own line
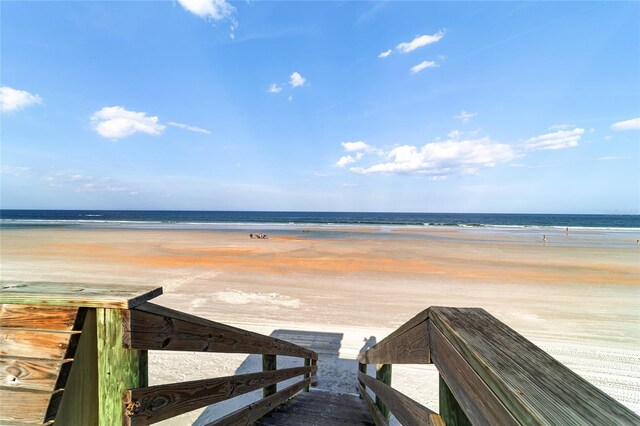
(320, 408)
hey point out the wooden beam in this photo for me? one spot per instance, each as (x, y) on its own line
(409, 347)
(378, 418)
(36, 343)
(152, 404)
(307, 363)
(79, 404)
(405, 409)
(154, 327)
(450, 410)
(477, 401)
(269, 363)
(533, 386)
(383, 374)
(76, 294)
(53, 318)
(33, 373)
(23, 405)
(119, 368)
(253, 412)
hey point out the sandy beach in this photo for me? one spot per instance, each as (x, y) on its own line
(577, 296)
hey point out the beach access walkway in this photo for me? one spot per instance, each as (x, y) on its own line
(73, 354)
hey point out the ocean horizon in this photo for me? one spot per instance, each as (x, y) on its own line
(21, 217)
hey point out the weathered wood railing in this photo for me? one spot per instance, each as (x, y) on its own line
(77, 355)
(489, 375)
(153, 327)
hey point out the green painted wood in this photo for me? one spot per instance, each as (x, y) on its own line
(269, 364)
(119, 369)
(76, 294)
(450, 410)
(383, 373)
(79, 405)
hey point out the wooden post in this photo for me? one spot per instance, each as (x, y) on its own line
(450, 410)
(383, 373)
(119, 369)
(362, 368)
(307, 363)
(269, 364)
(314, 379)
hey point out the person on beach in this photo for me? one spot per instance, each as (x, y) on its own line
(544, 239)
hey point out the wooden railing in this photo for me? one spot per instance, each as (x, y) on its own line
(489, 375)
(153, 327)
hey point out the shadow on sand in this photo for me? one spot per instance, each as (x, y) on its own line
(334, 373)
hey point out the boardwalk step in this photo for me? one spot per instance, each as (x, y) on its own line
(320, 408)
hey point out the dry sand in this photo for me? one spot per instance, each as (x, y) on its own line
(578, 296)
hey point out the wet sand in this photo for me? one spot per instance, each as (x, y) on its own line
(578, 296)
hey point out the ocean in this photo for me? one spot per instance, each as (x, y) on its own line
(13, 218)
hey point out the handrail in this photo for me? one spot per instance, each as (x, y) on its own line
(489, 374)
(154, 327)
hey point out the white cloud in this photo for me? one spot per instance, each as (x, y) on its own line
(385, 54)
(465, 116)
(211, 9)
(422, 65)
(348, 159)
(290, 98)
(13, 99)
(454, 134)
(189, 128)
(356, 146)
(14, 171)
(296, 80)
(116, 122)
(420, 41)
(441, 159)
(556, 140)
(85, 183)
(611, 158)
(274, 88)
(632, 124)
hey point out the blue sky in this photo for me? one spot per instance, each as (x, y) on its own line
(334, 106)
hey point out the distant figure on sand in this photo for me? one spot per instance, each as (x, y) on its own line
(544, 239)
(566, 231)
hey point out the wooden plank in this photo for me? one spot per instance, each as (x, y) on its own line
(252, 412)
(36, 343)
(155, 403)
(533, 386)
(158, 328)
(119, 369)
(406, 410)
(79, 404)
(409, 347)
(479, 403)
(307, 363)
(383, 374)
(269, 363)
(38, 317)
(23, 405)
(450, 410)
(32, 373)
(75, 294)
(378, 418)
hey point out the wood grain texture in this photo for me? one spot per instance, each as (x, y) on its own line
(409, 347)
(406, 410)
(74, 294)
(477, 400)
(20, 405)
(533, 386)
(450, 411)
(154, 327)
(383, 375)
(79, 404)
(36, 344)
(155, 403)
(269, 363)
(252, 412)
(33, 373)
(119, 369)
(378, 418)
(38, 317)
